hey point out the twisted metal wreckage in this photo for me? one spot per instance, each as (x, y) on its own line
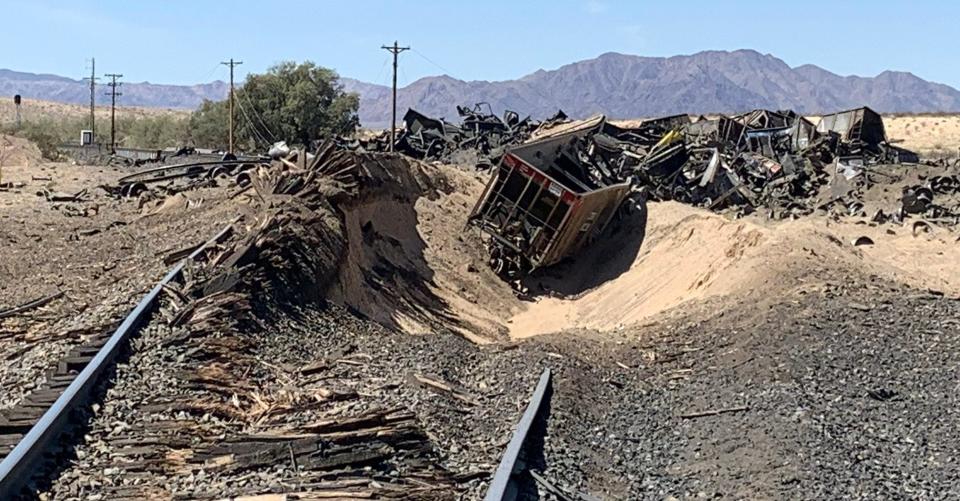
(551, 196)
(556, 184)
(481, 138)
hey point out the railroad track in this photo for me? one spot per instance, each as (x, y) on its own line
(169, 172)
(32, 430)
(506, 479)
(133, 184)
(29, 430)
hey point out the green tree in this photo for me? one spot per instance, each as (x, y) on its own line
(45, 135)
(154, 132)
(207, 126)
(296, 103)
(48, 133)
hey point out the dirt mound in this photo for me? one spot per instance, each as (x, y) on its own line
(410, 266)
(383, 275)
(686, 254)
(18, 152)
(377, 233)
(924, 258)
(407, 262)
(689, 254)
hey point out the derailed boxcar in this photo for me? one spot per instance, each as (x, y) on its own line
(541, 205)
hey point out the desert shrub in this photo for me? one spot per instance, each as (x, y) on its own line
(47, 134)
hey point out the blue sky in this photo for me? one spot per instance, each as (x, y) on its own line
(182, 42)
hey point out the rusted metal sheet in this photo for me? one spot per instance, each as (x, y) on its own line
(860, 124)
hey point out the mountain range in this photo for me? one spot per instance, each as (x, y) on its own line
(67, 90)
(618, 85)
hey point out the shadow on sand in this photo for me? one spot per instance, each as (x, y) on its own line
(604, 260)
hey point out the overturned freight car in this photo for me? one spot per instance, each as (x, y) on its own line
(862, 130)
(542, 204)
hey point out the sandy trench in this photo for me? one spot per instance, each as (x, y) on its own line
(687, 254)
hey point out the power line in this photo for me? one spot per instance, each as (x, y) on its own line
(381, 75)
(256, 133)
(210, 74)
(113, 108)
(450, 73)
(427, 59)
(256, 114)
(231, 64)
(395, 50)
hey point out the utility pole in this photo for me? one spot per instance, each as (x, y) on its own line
(395, 50)
(93, 85)
(231, 64)
(113, 108)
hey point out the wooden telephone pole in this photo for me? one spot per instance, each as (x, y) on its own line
(231, 64)
(395, 50)
(113, 108)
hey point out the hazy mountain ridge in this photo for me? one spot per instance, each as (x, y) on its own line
(625, 86)
(67, 90)
(618, 85)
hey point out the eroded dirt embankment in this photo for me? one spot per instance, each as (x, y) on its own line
(689, 254)
(412, 266)
(407, 263)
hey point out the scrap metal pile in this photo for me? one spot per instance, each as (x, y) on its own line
(934, 202)
(481, 137)
(170, 179)
(556, 193)
(772, 160)
(557, 184)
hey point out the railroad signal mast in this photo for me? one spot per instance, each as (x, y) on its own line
(93, 88)
(16, 103)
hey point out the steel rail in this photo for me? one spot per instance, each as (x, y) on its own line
(136, 177)
(16, 469)
(502, 487)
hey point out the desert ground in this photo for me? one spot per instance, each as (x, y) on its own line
(695, 354)
(932, 135)
(35, 109)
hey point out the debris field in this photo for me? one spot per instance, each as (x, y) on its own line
(752, 306)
